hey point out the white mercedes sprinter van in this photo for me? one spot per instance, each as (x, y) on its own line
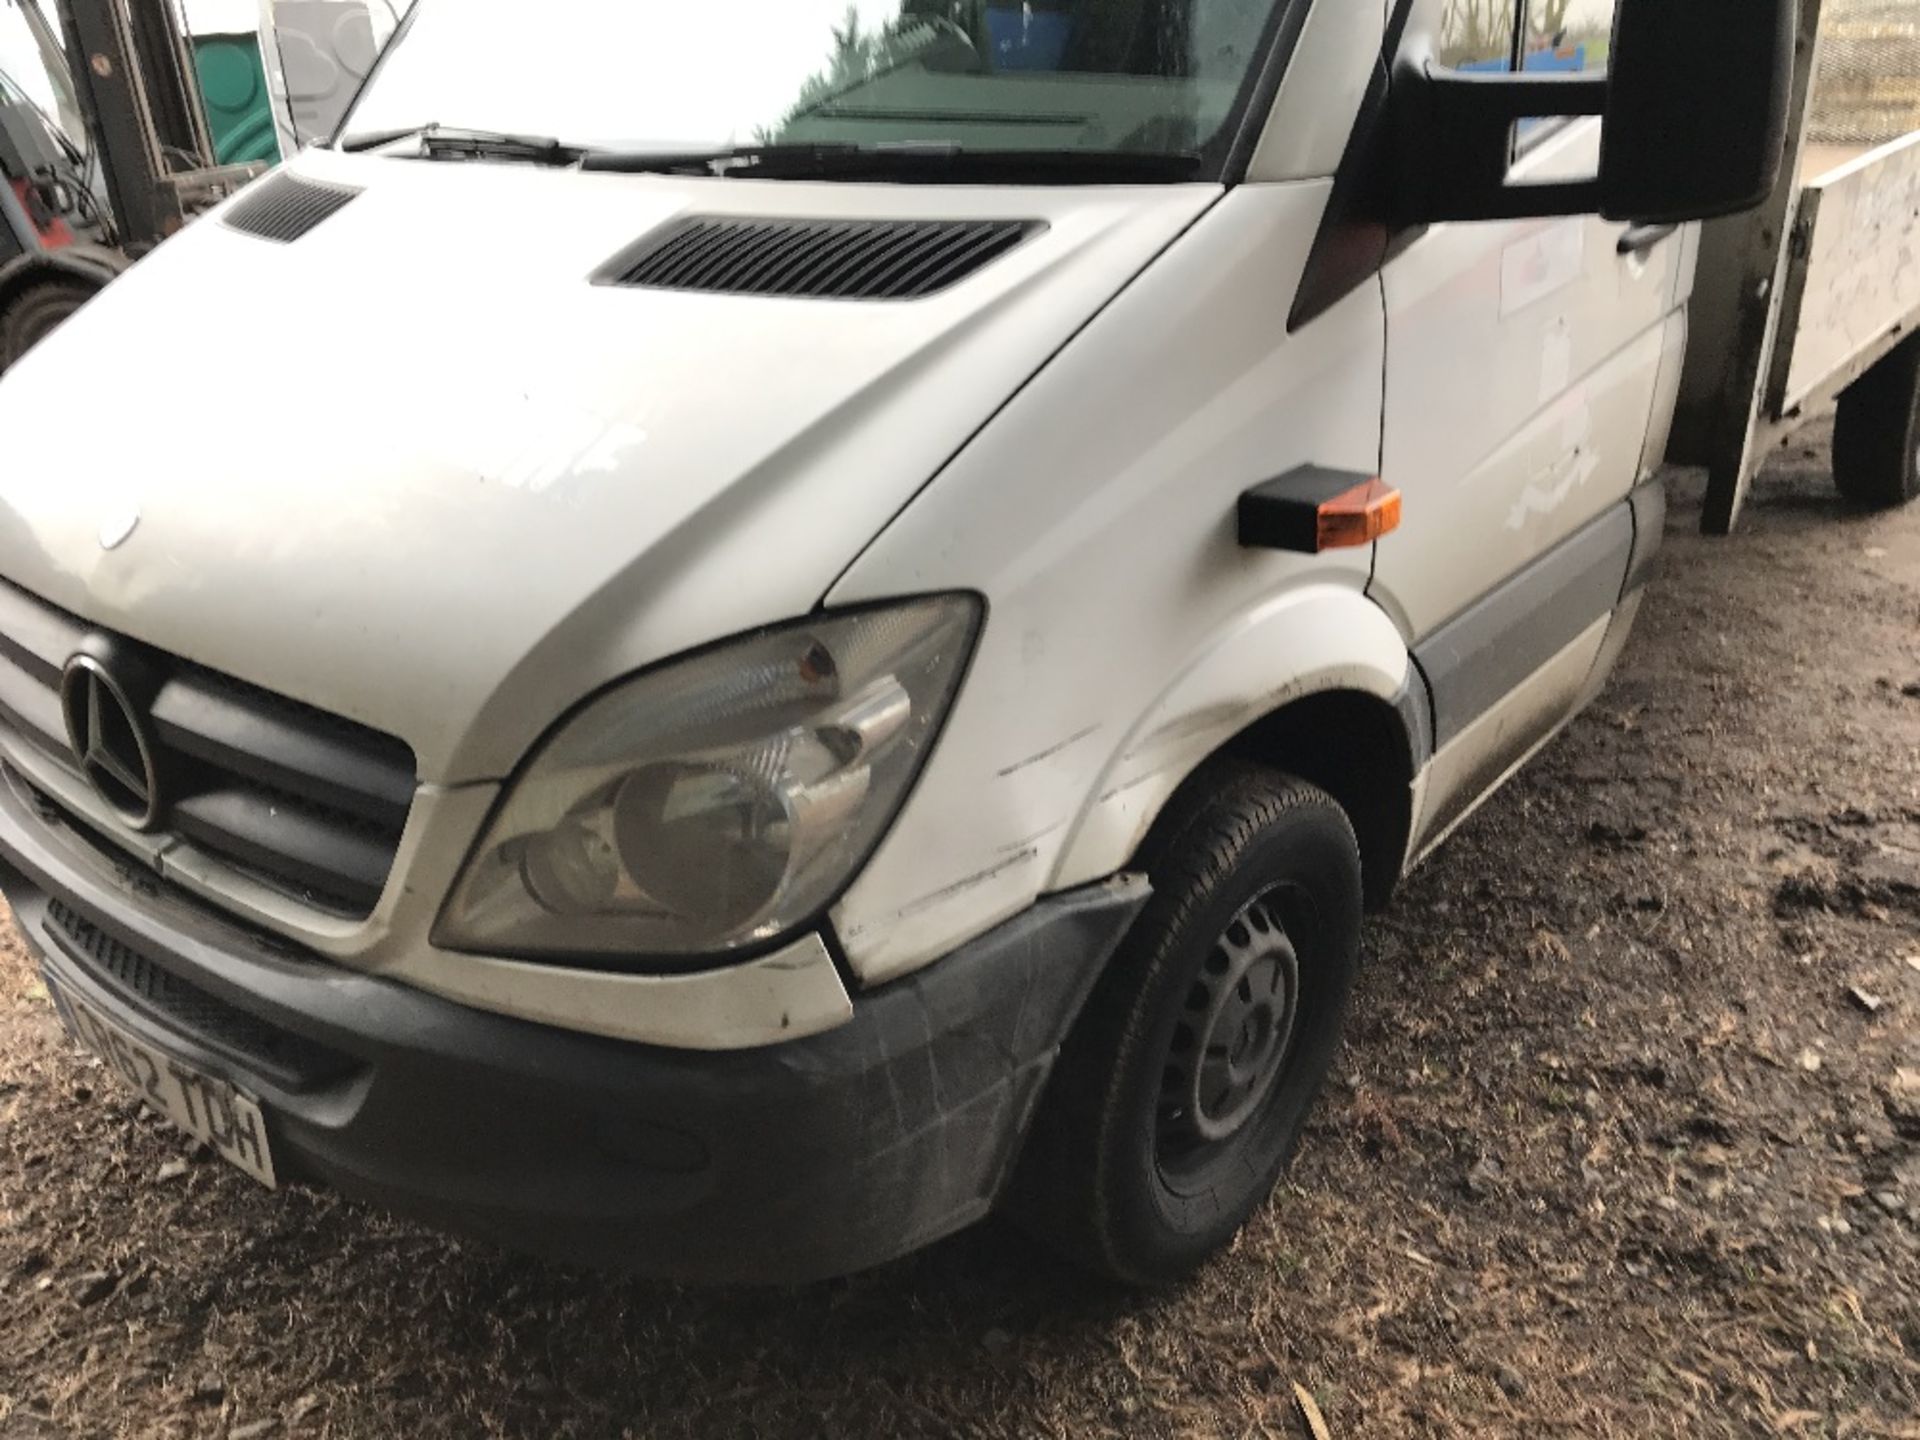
(801, 630)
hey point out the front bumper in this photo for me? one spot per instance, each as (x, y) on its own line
(813, 1158)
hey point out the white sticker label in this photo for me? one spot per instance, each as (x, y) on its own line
(1549, 260)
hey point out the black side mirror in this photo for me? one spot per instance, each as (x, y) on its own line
(1695, 106)
(1683, 142)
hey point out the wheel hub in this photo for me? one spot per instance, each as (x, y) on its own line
(1233, 1038)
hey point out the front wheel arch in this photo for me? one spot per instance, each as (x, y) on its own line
(1365, 754)
(1317, 682)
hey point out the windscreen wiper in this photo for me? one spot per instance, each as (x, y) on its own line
(362, 140)
(710, 162)
(906, 162)
(444, 142)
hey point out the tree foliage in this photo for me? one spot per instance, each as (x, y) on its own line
(854, 56)
(1550, 17)
(1483, 29)
(1476, 30)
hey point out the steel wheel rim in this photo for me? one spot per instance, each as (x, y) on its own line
(1233, 1038)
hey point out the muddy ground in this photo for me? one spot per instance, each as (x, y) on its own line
(1620, 1145)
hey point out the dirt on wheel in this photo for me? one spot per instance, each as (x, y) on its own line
(1625, 1141)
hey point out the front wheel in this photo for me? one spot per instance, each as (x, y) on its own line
(1180, 1094)
(1876, 435)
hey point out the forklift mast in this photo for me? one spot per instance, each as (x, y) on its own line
(134, 77)
(131, 79)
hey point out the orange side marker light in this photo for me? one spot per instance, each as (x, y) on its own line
(1359, 516)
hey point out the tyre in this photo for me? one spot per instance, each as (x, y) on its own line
(1179, 1095)
(36, 312)
(1876, 435)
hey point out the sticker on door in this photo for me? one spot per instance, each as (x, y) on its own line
(1546, 261)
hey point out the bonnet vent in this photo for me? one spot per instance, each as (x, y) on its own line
(287, 207)
(816, 259)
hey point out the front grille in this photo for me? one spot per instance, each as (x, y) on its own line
(290, 1059)
(304, 801)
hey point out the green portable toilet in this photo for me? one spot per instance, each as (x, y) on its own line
(233, 87)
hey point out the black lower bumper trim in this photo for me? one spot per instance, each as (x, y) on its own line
(813, 1158)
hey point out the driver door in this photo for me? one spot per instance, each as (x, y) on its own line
(1525, 365)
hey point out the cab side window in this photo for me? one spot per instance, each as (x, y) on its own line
(1567, 35)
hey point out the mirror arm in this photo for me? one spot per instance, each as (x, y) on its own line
(1456, 141)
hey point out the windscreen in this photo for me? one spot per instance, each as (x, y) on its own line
(1138, 76)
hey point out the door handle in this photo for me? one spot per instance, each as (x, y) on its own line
(1639, 239)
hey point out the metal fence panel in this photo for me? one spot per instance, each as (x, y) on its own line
(1868, 89)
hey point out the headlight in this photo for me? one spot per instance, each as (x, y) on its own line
(719, 801)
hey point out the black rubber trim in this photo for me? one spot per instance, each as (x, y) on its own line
(1415, 705)
(1649, 504)
(814, 1158)
(1477, 658)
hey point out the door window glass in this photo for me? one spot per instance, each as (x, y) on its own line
(1568, 35)
(1478, 34)
(1571, 37)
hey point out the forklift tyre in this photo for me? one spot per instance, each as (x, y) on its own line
(36, 311)
(1876, 436)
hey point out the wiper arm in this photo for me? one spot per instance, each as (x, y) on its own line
(708, 162)
(442, 142)
(908, 161)
(363, 140)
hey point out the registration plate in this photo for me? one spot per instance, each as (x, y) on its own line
(207, 1108)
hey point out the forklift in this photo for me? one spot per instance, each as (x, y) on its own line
(77, 210)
